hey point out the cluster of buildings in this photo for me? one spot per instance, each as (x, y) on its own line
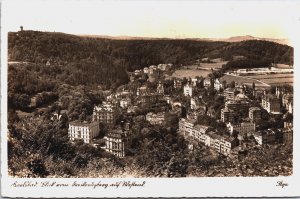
(240, 117)
(156, 119)
(153, 71)
(205, 135)
(117, 139)
(238, 113)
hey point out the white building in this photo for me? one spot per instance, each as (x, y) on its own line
(146, 70)
(83, 130)
(271, 103)
(116, 142)
(207, 82)
(124, 103)
(137, 72)
(186, 126)
(194, 81)
(254, 114)
(160, 88)
(218, 85)
(155, 119)
(188, 90)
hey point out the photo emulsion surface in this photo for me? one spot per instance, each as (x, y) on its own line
(89, 104)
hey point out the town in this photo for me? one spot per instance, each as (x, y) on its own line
(119, 108)
(237, 122)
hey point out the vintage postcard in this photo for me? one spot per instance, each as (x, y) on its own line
(149, 98)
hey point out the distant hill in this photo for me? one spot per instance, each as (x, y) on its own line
(93, 60)
(230, 39)
(249, 37)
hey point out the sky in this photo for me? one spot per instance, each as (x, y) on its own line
(171, 19)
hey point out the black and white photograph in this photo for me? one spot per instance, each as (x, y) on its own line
(148, 90)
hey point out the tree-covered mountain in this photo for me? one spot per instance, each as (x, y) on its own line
(89, 60)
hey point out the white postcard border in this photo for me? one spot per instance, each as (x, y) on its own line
(155, 187)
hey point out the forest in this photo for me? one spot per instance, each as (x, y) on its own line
(92, 61)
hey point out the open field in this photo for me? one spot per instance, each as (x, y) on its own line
(271, 76)
(275, 79)
(243, 80)
(190, 73)
(213, 65)
(261, 80)
(283, 66)
(278, 81)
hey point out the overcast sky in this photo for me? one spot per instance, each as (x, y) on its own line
(173, 19)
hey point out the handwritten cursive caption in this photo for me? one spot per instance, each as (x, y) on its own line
(282, 184)
(94, 185)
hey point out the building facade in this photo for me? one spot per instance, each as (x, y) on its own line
(188, 90)
(229, 93)
(254, 114)
(207, 82)
(186, 127)
(125, 103)
(227, 115)
(177, 83)
(242, 128)
(106, 113)
(116, 142)
(83, 130)
(156, 119)
(266, 137)
(271, 103)
(160, 88)
(218, 85)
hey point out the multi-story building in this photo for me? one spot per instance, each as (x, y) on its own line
(254, 114)
(237, 105)
(229, 93)
(188, 90)
(271, 103)
(287, 135)
(207, 82)
(148, 99)
(186, 127)
(146, 70)
(116, 142)
(155, 119)
(221, 144)
(83, 130)
(192, 114)
(286, 99)
(199, 133)
(164, 67)
(177, 83)
(137, 72)
(290, 107)
(106, 113)
(152, 70)
(218, 85)
(194, 81)
(227, 115)
(197, 104)
(143, 90)
(125, 102)
(266, 137)
(160, 88)
(242, 128)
